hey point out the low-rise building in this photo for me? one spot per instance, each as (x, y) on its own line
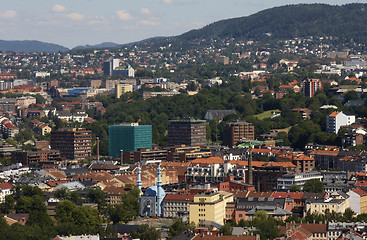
(330, 204)
(177, 205)
(298, 179)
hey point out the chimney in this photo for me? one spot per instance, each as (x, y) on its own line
(97, 148)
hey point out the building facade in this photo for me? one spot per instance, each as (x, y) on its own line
(337, 119)
(129, 137)
(310, 87)
(235, 131)
(73, 143)
(188, 132)
(123, 88)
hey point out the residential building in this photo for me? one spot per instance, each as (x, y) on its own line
(305, 231)
(5, 190)
(189, 132)
(310, 87)
(330, 204)
(142, 155)
(303, 163)
(209, 207)
(235, 131)
(177, 205)
(305, 112)
(129, 137)
(337, 119)
(123, 88)
(358, 200)
(8, 129)
(73, 143)
(325, 159)
(187, 153)
(36, 157)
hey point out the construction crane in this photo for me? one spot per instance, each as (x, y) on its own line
(250, 144)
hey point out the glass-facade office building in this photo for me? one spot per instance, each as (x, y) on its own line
(129, 137)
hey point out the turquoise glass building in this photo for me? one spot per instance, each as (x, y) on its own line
(128, 137)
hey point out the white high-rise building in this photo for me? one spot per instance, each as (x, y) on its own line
(337, 119)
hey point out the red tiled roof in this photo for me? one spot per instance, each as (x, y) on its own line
(5, 185)
(291, 195)
(334, 114)
(360, 192)
(324, 152)
(261, 150)
(304, 158)
(206, 161)
(179, 197)
(361, 183)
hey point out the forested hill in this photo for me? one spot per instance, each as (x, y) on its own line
(347, 22)
(30, 46)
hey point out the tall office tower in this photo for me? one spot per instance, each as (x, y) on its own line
(235, 131)
(73, 143)
(129, 137)
(109, 66)
(310, 86)
(189, 132)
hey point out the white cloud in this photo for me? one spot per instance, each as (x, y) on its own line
(123, 15)
(145, 11)
(8, 14)
(75, 16)
(149, 22)
(58, 8)
(167, 1)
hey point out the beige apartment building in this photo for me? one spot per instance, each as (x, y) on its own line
(209, 207)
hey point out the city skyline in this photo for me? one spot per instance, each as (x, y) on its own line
(81, 22)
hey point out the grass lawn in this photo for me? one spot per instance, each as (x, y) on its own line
(267, 114)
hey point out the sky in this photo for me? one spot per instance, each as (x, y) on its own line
(79, 22)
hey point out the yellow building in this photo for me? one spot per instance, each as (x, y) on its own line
(209, 207)
(123, 88)
(332, 204)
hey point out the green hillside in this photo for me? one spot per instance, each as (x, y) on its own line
(346, 22)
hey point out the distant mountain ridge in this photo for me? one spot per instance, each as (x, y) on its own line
(285, 22)
(347, 22)
(30, 46)
(115, 45)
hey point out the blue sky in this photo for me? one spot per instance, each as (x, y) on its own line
(79, 22)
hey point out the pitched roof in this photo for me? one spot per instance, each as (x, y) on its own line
(303, 157)
(207, 161)
(334, 114)
(324, 152)
(179, 197)
(290, 195)
(6, 185)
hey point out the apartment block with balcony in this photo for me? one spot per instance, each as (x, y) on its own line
(73, 143)
(236, 131)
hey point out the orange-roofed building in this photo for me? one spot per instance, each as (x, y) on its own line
(177, 205)
(325, 158)
(358, 200)
(304, 231)
(303, 163)
(207, 161)
(335, 120)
